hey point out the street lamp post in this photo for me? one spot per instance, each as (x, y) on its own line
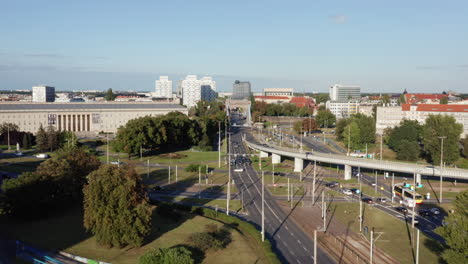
(219, 144)
(349, 138)
(441, 164)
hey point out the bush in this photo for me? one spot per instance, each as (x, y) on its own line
(194, 168)
(214, 238)
(408, 150)
(175, 255)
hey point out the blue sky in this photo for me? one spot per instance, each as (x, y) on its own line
(308, 45)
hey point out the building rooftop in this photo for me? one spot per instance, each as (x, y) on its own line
(437, 108)
(87, 106)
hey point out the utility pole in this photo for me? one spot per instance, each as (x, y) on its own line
(441, 164)
(301, 141)
(141, 153)
(199, 174)
(263, 207)
(176, 176)
(393, 184)
(273, 164)
(360, 215)
(219, 144)
(228, 198)
(375, 181)
(313, 182)
(417, 246)
(412, 217)
(325, 216)
(323, 203)
(288, 191)
(315, 246)
(349, 138)
(371, 245)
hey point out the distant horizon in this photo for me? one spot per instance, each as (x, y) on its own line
(381, 46)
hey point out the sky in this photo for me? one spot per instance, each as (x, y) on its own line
(382, 46)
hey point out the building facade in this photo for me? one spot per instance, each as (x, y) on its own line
(42, 94)
(241, 90)
(194, 90)
(81, 118)
(278, 92)
(389, 117)
(163, 87)
(343, 109)
(342, 93)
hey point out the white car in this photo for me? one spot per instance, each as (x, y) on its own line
(348, 192)
(19, 154)
(116, 162)
(239, 170)
(42, 156)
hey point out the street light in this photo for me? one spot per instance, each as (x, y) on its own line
(441, 163)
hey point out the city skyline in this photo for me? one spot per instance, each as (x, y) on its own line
(383, 47)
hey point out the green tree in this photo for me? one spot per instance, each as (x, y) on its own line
(442, 126)
(175, 255)
(444, 100)
(409, 130)
(26, 141)
(41, 139)
(322, 98)
(465, 147)
(402, 99)
(455, 231)
(4, 127)
(340, 128)
(408, 150)
(116, 209)
(110, 96)
(351, 135)
(325, 118)
(52, 138)
(366, 125)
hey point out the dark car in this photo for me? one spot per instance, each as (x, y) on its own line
(401, 209)
(332, 184)
(424, 212)
(368, 200)
(157, 188)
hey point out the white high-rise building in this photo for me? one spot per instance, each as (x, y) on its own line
(194, 90)
(42, 94)
(340, 92)
(163, 87)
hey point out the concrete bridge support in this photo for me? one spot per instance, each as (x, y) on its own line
(298, 164)
(418, 178)
(263, 154)
(347, 172)
(275, 158)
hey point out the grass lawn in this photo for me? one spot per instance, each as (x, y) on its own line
(20, 164)
(234, 205)
(66, 233)
(394, 240)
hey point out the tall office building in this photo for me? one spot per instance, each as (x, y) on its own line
(241, 90)
(194, 90)
(340, 92)
(42, 94)
(163, 87)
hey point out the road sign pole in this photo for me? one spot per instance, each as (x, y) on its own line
(360, 215)
(315, 246)
(263, 207)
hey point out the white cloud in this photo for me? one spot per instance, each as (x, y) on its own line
(339, 19)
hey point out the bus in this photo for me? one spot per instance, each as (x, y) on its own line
(407, 194)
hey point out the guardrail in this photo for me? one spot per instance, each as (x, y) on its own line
(383, 165)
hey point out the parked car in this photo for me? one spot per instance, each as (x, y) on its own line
(368, 200)
(381, 200)
(19, 154)
(401, 209)
(435, 211)
(116, 162)
(348, 192)
(238, 169)
(42, 156)
(424, 212)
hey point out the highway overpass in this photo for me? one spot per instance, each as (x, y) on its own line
(349, 162)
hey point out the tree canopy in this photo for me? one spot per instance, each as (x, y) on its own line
(361, 128)
(110, 96)
(325, 118)
(174, 255)
(116, 209)
(442, 126)
(455, 231)
(408, 132)
(306, 125)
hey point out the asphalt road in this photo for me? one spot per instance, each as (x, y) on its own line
(290, 242)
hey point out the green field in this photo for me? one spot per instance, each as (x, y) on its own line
(67, 234)
(395, 238)
(20, 164)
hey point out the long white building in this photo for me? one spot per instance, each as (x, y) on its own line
(388, 117)
(82, 118)
(340, 92)
(163, 87)
(194, 90)
(343, 109)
